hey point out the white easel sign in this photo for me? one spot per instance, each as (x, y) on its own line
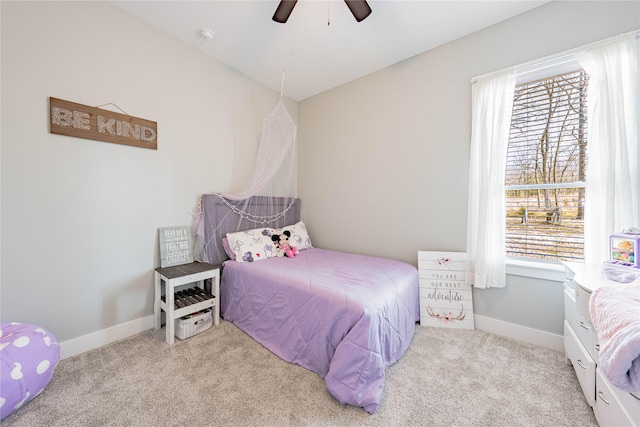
(175, 246)
(445, 299)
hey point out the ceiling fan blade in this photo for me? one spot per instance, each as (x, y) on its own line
(284, 10)
(359, 8)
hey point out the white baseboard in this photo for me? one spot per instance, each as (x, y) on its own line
(498, 327)
(519, 333)
(105, 336)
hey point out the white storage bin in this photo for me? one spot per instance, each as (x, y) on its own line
(188, 326)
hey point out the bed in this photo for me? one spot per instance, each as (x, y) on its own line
(346, 317)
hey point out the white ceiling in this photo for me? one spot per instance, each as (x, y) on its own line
(315, 56)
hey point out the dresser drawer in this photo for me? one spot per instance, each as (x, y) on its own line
(614, 407)
(574, 312)
(583, 363)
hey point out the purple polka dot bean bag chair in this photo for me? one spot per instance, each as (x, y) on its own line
(28, 356)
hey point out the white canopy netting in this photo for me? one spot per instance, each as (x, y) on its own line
(273, 186)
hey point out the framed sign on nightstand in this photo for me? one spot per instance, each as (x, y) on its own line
(175, 246)
(445, 298)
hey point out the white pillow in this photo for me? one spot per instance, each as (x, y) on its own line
(299, 236)
(256, 244)
(252, 245)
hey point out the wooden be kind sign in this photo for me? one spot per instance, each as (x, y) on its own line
(81, 121)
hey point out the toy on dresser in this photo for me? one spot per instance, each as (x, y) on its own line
(623, 264)
(624, 248)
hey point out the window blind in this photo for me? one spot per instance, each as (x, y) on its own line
(546, 163)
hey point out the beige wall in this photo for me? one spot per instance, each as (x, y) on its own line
(80, 217)
(383, 160)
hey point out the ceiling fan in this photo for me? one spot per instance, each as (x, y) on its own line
(359, 8)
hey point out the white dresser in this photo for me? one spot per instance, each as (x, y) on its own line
(611, 406)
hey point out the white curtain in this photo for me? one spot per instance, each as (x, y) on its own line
(492, 104)
(612, 199)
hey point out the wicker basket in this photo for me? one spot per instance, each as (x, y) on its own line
(193, 324)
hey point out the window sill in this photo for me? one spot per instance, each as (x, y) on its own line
(535, 269)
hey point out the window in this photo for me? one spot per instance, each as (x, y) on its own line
(542, 183)
(545, 170)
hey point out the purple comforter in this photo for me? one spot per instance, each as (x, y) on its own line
(346, 317)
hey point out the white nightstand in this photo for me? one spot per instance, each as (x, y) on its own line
(171, 277)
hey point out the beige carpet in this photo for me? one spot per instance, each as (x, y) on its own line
(224, 378)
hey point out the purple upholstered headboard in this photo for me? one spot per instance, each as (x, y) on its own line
(219, 219)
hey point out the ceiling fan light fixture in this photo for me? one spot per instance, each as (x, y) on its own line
(359, 8)
(285, 7)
